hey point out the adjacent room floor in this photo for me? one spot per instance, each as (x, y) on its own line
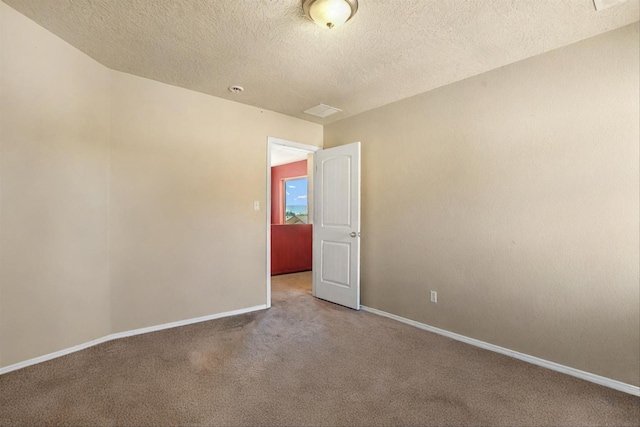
(302, 362)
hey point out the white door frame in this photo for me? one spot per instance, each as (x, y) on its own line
(271, 141)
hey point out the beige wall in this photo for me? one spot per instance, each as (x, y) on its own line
(185, 170)
(124, 202)
(54, 139)
(514, 194)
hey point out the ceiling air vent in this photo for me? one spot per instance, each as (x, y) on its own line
(322, 111)
(606, 4)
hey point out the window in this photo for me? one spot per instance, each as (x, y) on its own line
(296, 208)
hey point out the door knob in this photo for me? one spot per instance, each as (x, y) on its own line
(353, 234)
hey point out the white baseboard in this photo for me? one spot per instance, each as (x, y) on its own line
(125, 334)
(607, 382)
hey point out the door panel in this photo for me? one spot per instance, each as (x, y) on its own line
(336, 194)
(336, 257)
(336, 230)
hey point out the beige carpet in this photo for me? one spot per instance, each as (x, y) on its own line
(303, 362)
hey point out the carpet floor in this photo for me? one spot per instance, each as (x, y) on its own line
(302, 362)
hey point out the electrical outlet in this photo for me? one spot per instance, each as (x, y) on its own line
(434, 297)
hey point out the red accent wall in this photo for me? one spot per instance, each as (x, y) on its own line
(279, 174)
(291, 248)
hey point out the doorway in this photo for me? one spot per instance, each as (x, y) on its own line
(289, 221)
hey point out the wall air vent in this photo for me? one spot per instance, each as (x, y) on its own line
(322, 111)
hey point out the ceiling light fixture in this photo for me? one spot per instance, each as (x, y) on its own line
(330, 13)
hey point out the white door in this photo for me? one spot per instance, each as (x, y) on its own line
(336, 226)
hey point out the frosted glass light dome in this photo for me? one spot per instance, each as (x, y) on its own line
(330, 13)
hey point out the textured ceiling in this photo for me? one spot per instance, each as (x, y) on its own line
(283, 154)
(390, 50)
